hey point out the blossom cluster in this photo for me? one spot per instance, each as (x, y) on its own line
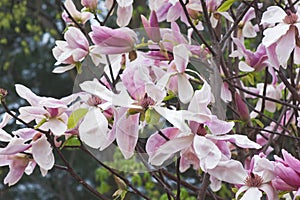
(155, 79)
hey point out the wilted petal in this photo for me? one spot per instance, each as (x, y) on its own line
(42, 153)
(93, 128)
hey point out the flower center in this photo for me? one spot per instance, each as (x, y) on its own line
(254, 180)
(146, 102)
(94, 101)
(201, 130)
(291, 18)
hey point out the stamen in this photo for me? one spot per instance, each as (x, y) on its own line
(254, 180)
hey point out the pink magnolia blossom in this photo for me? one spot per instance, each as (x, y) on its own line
(254, 61)
(201, 149)
(72, 51)
(253, 182)
(280, 40)
(26, 149)
(152, 27)
(113, 41)
(80, 17)
(49, 113)
(288, 172)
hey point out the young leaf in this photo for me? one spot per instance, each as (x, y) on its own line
(225, 6)
(76, 116)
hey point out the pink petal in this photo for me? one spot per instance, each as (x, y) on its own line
(285, 46)
(168, 149)
(174, 12)
(287, 174)
(127, 134)
(272, 35)
(124, 15)
(16, 170)
(15, 146)
(291, 160)
(156, 140)
(42, 153)
(218, 127)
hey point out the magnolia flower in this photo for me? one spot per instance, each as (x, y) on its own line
(113, 41)
(288, 172)
(281, 39)
(196, 146)
(72, 51)
(152, 27)
(26, 149)
(253, 182)
(80, 17)
(49, 113)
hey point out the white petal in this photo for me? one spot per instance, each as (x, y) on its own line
(42, 153)
(95, 88)
(208, 153)
(239, 140)
(252, 193)
(273, 34)
(181, 57)
(273, 15)
(244, 67)
(185, 89)
(285, 46)
(124, 15)
(59, 70)
(93, 128)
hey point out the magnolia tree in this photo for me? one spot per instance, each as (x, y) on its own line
(206, 86)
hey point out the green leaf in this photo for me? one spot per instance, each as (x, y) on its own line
(151, 116)
(258, 122)
(72, 141)
(225, 6)
(76, 116)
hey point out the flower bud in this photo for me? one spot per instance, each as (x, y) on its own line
(242, 108)
(3, 93)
